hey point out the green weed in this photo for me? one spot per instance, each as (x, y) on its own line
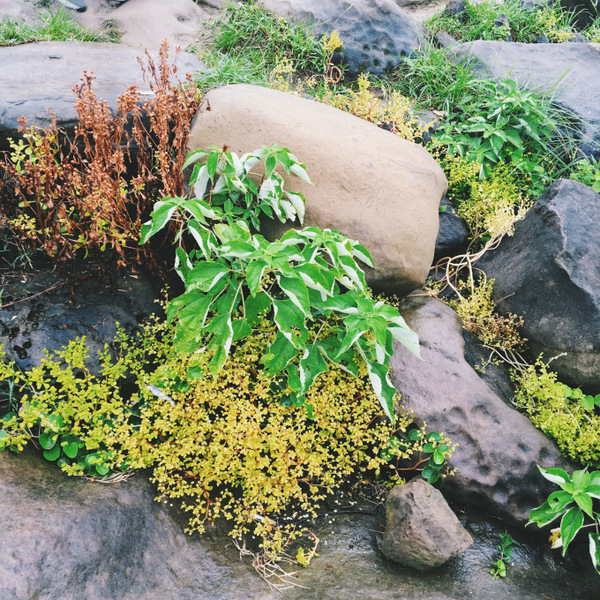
(55, 25)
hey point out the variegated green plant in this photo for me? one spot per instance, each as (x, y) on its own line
(233, 277)
(573, 503)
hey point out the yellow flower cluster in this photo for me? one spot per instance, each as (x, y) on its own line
(490, 206)
(392, 111)
(226, 446)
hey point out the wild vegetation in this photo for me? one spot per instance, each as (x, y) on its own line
(284, 366)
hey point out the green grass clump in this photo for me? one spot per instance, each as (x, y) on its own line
(480, 21)
(55, 26)
(249, 42)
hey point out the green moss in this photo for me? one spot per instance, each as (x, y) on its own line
(557, 410)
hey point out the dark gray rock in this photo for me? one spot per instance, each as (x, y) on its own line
(37, 80)
(498, 448)
(571, 72)
(455, 8)
(40, 311)
(453, 236)
(377, 34)
(549, 273)
(421, 530)
(584, 11)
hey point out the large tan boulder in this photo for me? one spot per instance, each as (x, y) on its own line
(370, 184)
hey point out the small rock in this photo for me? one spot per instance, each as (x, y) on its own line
(453, 237)
(421, 530)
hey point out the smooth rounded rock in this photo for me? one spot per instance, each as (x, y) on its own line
(370, 184)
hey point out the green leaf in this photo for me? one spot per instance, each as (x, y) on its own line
(384, 390)
(212, 163)
(280, 353)
(48, 440)
(52, 454)
(544, 514)
(290, 322)
(584, 501)
(312, 364)
(595, 550)
(102, 470)
(295, 289)
(555, 475)
(55, 422)
(270, 164)
(557, 501)
(70, 448)
(161, 215)
(438, 458)
(581, 479)
(194, 157)
(255, 306)
(254, 273)
(206, 275)
(571, 523)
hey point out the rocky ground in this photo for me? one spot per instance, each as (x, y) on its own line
(72, 539)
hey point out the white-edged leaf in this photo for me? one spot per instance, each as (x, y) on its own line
(299, 169)
(194, 157)
(295, 289)
(254, 273)
(555, 475)
(298, 203)
(405, 335)
(360, 252)
(201, 182)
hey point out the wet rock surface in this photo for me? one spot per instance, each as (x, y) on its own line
(67, 538)
(498, 447)
(43, 311)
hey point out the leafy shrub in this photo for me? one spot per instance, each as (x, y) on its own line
(78, 196)
(66, 409)
(58, 26)
(232, 276)
(249, 42)
(587, 171)
(503, 123)
(566, 415)
(482, 21)
(490, 206)
(433, 80)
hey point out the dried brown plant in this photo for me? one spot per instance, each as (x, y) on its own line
(92, 193)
